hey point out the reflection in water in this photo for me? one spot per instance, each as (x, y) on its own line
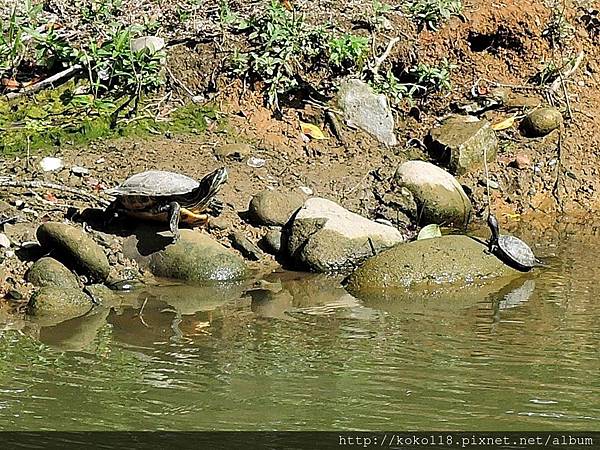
(296, 351)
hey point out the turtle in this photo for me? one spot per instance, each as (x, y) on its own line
(511, 249)
(167, 197)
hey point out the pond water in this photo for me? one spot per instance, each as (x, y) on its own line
(300, 353)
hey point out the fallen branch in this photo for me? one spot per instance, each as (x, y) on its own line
(379, 61)
(4, 183)
(48, 82)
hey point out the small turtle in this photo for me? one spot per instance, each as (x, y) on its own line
(510, 249)
(167, 197)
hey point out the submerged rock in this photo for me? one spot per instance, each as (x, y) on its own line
(460, 144)
(195, 257)
(75, 249)
(55, 304)
(457, 260)
(440, 198)
(324, 236)
(367, 110)
(541, 122)
(274, 208)
(50, 272)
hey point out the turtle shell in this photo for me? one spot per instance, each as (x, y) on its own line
(517, 250)
(155, 183)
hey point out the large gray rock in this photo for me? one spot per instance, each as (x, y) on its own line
(448, 260)
(274, 208)
(367, 110)
(55, 304)
(440, 198)
(75, 249)
(195, 257)
(50, 272)
(324, 236)
(460, 144)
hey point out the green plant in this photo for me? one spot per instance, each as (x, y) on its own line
(432, 13)
(114, 67)
(436, 78)
(14, 37)
(282, 43)
(348, 50)
(558, 29)
(391, 86)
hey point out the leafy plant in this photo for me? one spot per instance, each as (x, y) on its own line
(114, 66)
(558, 29)
(282, 43)
(432, 13)
(348, 50)
(434, 77)
(391, 86)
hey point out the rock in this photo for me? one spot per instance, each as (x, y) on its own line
(541, 122)
(218, 223)
(367, 110)
(152, 44)
(323, 237)
(451, 259)
(195, 257)
(271, 241)
(59, 304)
(255, 162)
(247, 248)
(50, 272)
(102, 295)
(74, 248)
(274, 208)
(440, 198)
(4, 241)
(460, 144)
(50, 164)
(521, 161)
(233, 151)
(80, 171)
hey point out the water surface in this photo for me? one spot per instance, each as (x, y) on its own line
(300, 353)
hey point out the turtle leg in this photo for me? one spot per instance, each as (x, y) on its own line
(174, 212)
(110, 213)
(216, 207)
(193, 218)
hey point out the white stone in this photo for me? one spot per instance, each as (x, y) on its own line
(4, 241)
(50, 164)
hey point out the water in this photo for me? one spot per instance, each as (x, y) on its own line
(300, 353)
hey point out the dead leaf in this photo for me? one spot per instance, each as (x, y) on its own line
(49, 196)
(312, 131)
(503, 125)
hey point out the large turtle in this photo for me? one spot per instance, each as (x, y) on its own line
(510, 249)
(167, 197)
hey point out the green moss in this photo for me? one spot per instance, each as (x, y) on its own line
(57, 117)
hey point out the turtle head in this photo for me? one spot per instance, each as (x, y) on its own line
(493, 224)
(212, 182)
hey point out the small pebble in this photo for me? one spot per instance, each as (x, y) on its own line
(80, 171)
(522, 161)
(50, 164)
(4, 241)
(9, 254)
(255, 162)
(13, 294)
(100, 160)
(19, 203)
(306, 190)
